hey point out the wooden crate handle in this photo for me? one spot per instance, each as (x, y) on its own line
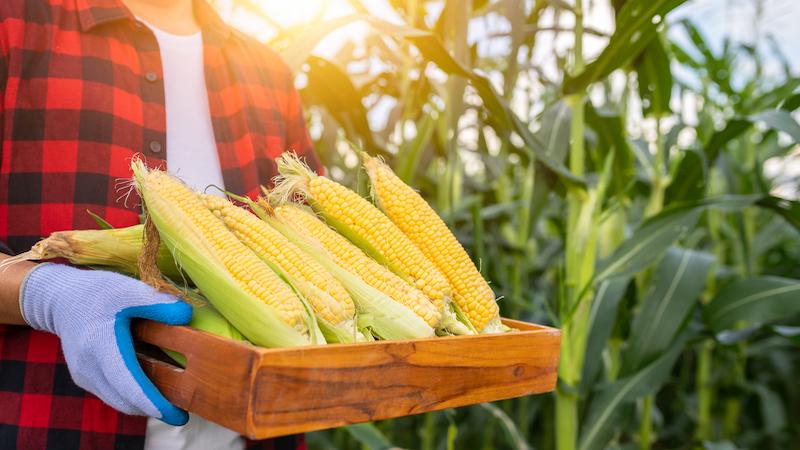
(212, 387)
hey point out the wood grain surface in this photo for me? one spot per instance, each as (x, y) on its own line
(273, 392)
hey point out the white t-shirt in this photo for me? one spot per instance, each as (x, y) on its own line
(192, 155)
(191, 147)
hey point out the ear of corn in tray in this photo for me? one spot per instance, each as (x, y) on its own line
(290, 275)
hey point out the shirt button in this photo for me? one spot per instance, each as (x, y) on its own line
(138, 25)
(151, 76)
(155, 146)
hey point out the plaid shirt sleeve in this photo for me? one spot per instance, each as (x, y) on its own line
(3, 82)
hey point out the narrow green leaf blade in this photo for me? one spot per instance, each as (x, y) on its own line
(600, 324)
(610, 129)
(690, 179)
(647, 243)
(672, 295)
(754, 300)
(509, 426)
(599, 428)
(788, 209)
(779, 119)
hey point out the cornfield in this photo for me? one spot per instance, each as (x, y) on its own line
(638, 197)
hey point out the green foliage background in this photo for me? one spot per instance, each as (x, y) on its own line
(662, 255)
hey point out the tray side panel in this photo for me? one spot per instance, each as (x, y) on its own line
(218, 375)
(318, 388)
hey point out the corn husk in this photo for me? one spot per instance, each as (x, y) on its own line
(259, 322)
(115, 249)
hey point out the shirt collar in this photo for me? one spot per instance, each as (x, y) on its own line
(92, 13)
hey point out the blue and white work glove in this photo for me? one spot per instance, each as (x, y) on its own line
(91, 312)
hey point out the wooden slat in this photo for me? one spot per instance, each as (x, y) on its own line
(273, 392)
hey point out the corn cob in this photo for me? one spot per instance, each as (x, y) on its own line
(330, 301)
(230, 275)
(350, 257)
(385, 317)
(369, 222)
(116, 248)
(412, 214)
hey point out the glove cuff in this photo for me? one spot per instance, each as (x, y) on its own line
(22, 291)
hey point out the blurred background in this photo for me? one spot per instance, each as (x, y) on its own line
(624, 170)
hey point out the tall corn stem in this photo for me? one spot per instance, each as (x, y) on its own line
(573, 332)
(704, 391)
(656, 204)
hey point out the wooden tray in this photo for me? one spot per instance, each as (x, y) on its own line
(264, 393)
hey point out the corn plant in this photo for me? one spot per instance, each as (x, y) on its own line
(651, 239)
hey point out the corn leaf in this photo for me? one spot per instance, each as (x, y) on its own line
(599, 326)
(635, 29)
(369, 436)
(754, 300)
(599, 425)
(673, 293)
(654, 79)
(656, 234)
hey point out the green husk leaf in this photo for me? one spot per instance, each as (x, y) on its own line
(207, 318)
(103, 224)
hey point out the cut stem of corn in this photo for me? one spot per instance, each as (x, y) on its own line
(244, 289)
(417, 220)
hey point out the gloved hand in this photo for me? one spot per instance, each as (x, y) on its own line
(91, 312)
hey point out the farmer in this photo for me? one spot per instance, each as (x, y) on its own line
(84, 86)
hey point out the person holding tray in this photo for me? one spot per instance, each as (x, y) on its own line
(85, 85)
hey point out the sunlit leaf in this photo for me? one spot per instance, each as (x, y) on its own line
(332, 88)
(636, 27)
(302, 45)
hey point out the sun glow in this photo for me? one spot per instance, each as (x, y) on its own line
(288, 13)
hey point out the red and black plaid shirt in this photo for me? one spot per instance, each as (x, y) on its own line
(81, 92)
